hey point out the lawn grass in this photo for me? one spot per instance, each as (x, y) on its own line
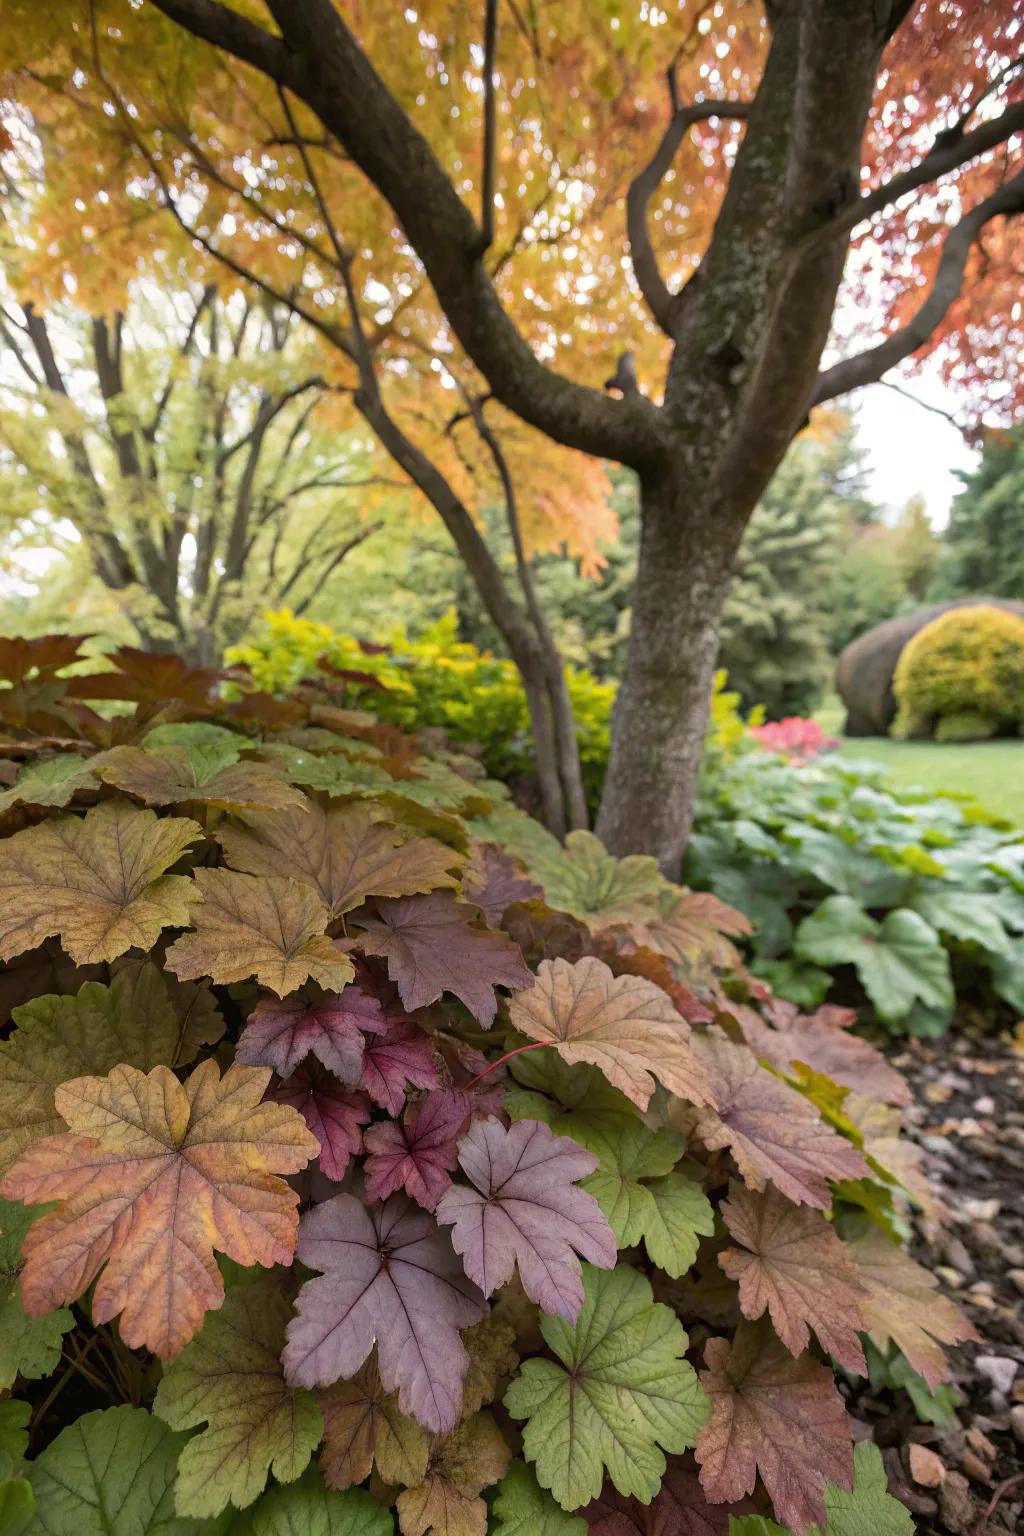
(991, 771)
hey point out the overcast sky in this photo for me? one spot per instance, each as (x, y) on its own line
(910, 449)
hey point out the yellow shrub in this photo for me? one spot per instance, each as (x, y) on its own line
(968, 664)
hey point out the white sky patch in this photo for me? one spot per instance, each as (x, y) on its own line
(909, 450)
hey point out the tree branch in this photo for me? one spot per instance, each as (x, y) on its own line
(940, 160)
(490, 127)
(869, 366)
(661, 302)
(320, 61)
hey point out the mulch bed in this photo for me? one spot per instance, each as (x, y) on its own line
(968, 1116)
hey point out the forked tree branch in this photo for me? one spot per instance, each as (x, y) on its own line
(320, 61)
(660, 300)
(946, 156)
(867, 367)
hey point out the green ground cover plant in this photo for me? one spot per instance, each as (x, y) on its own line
(356, 1176)
(905, 899)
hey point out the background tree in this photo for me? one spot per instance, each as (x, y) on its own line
(916, 548)
(186, 452)
(983, 546)
(443, 197)
(775, 619)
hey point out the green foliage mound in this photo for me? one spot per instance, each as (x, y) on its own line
(433, 682)
(354, 1174)
(907, 901)
(961, 678)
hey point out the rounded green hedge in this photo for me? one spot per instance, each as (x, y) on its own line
(961, 678)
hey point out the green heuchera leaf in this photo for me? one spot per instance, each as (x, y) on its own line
(1008, 978)
(641, 1196)
(308, 1508)
(111, 1473)
(588, 882)
(131, 1022)
(973, 917)
(573, 1100)
(29, 1346)
(869, 1509)
(49, 781)
(899, 961)
(805, 985)
(14, 1417)
(17, 1502)
(230, 1378)
(523, 1508)
(932, 1405)
(621, 1396)
(210, 747)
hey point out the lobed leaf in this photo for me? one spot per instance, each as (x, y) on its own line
(29, 1346)
(402, 1054)
(524, 1508)
(50, 781)
(447, 1502)
(132, 1021)
(389, 1277)
(822, 1042)
(307, 1508)
(902, 1302)
(152, 1176)
(343, 852)
(621, 1396)
(273, 929)
(230, 1380)
(793, 1265)
(281, 1032)
(333, 1113)
(173, 776)
(774, 1415)
(525, 1209)
(364, 1428)
(642, 1198)
(418, 1153)
(772, 1131)
(110, 1473)
(98, 881)
(623, 1024)
(434, 944)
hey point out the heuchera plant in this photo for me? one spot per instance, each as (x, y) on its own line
(355, 1174)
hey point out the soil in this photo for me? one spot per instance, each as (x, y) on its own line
(968, 1117)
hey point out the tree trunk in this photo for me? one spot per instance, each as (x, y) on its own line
(661, 715)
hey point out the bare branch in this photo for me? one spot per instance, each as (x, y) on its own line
(946, 156)
(924, 405)
(490, 126)
(660, 301)
(869, 366)
(151, 428)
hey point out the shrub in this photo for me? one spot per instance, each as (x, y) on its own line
(260, 962)
(907, 900)
(438, 681)
(967, 663)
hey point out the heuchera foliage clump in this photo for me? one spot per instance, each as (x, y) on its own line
(356, 1174)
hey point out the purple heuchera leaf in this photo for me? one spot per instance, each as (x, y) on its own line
(401, 1054)
(435, 944)
(418, 1154)
(334, 1114)
(526, 1209)
(390, 1277)
(281, 1032)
